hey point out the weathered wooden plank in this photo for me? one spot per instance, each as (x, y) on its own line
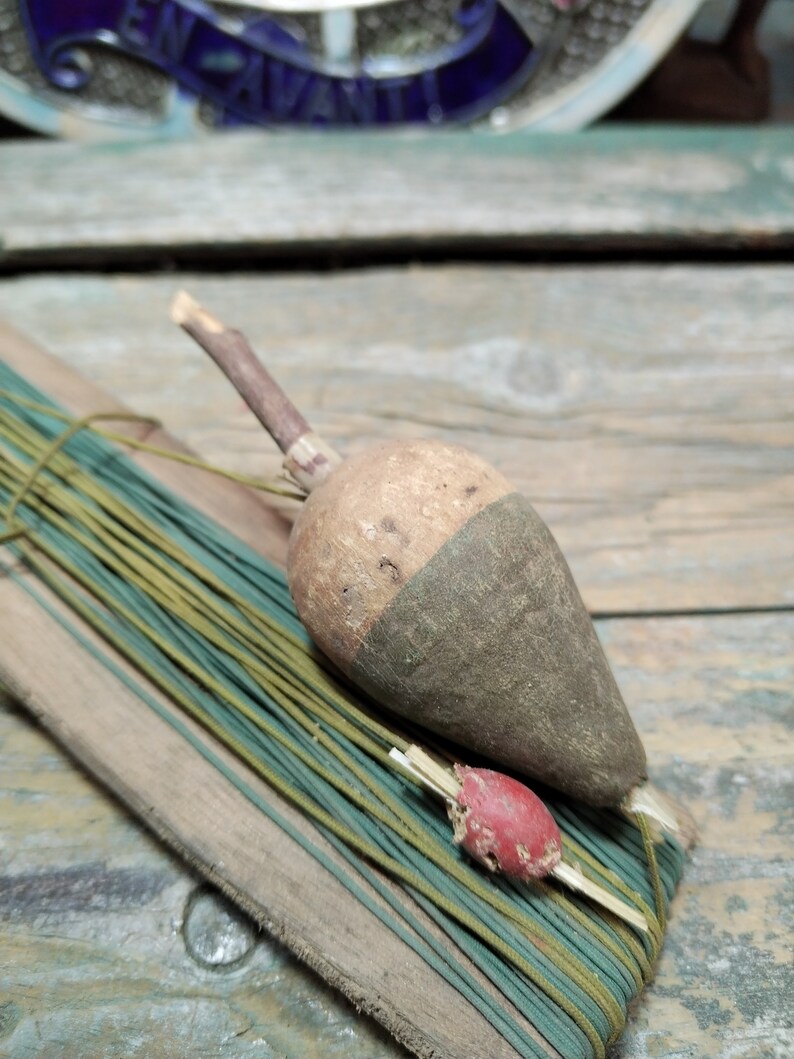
(712, 698)
(93, 949)
(645, 411)
(251, 195)
(97, 949)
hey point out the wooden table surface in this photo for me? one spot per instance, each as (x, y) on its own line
(547, 303)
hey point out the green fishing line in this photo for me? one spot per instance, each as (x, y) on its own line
(210, 623)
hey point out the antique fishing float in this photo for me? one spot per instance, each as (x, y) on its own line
(433, 584)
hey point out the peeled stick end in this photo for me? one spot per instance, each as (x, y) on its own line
(186, 311)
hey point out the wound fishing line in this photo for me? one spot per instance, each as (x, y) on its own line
(209, 622)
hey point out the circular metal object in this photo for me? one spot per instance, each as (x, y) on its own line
(120, 69)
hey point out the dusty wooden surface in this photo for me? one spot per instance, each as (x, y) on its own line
(686, 397)
(250, 197)
(110, 947)
(646, 410)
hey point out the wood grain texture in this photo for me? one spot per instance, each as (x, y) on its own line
(646, 412)
(712, 699)
(190, 804)
(93, 958)
(257, 195)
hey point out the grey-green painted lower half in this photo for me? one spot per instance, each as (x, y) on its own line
(491, 646)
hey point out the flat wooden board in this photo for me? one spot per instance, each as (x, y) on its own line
(251, 195)
(645, 411)
(190, 804)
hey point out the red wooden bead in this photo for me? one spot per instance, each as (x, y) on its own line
(503, 825)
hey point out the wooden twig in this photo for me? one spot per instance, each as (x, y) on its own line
(308, 458)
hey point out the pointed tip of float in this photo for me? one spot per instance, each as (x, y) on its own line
(664, 814)
(417, 769)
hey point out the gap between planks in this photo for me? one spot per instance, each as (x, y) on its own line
(611, 187)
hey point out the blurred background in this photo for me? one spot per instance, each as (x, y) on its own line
(140, 69)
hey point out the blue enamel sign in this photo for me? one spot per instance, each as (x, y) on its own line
(258, 72)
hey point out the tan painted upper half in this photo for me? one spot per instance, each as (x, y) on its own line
(377, 521)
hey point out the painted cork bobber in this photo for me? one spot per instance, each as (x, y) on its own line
(433, 584)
